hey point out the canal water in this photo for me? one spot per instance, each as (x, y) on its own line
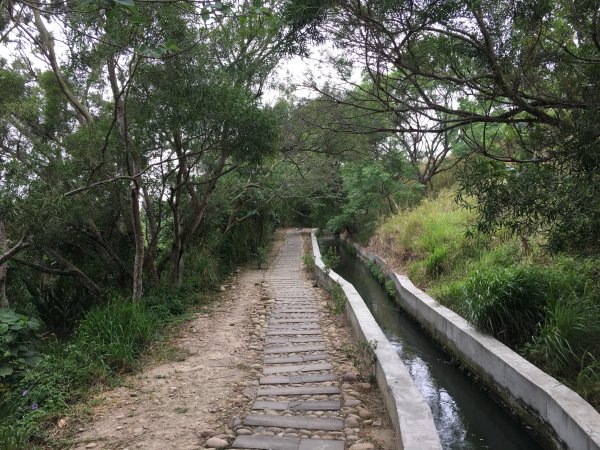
(464, 415)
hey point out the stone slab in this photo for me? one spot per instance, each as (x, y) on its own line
(299, 405)
(282, 321)
(300, 422)
(266, 442)
(292, 339)
(296, 379)
(321, 444)
(297, 326)
(292, 332)
(286, 443)
(293, 349)
(298, 390)
(297, 368)
(295, 358)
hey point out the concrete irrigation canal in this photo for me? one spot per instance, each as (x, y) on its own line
(465, 416)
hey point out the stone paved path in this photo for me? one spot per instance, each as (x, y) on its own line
(297, 404)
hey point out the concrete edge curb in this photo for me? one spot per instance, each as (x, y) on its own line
(570, 421)
(410, 414)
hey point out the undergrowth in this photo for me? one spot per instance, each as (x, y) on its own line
(546, 307)
(106, 344)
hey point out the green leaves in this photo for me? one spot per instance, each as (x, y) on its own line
(16, 351)
(167, 48)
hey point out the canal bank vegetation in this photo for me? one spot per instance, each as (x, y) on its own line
(545, 306)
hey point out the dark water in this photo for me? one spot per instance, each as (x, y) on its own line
(465, 416)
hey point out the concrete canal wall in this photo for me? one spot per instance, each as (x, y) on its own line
(406, 407)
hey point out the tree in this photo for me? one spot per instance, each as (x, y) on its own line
(524, 74)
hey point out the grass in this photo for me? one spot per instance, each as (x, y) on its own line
(108, 343)
(546, 307)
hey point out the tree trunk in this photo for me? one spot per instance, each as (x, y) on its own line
(47, 44)
(200, 205)
(134, 170)
(3, 267)
(153, 231)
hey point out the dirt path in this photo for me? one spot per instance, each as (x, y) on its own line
(183, 404)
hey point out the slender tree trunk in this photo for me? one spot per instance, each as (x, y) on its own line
(138, 234)
(3, 267)
(47, 44)
(153, 231)
(191, 227)
(134, 170)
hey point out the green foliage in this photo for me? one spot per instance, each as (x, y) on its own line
(372, 189)
(507, 303)
(16, 349)
(261, 252)
(536, 199)
(11, 438)
(116, 334)
(331, 259)
(377, 272)
(60, 304)
(336, 301)
(363, 357)
(309, 261)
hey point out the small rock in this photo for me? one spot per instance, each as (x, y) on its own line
(351, 422)
(350, 376)
(362, 446)
(365, 386)
(351, 403)
(235, 422)
(138, 431)
(243, 431)
(377, 423)
(222, 288)
(206, 433)
(365, 414)
(62, 423)
(216, 442)
(91, 445)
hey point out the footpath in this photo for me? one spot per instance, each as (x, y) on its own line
(268, 367)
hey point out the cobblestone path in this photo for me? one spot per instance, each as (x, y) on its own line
(297, 404)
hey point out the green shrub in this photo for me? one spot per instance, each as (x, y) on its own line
(336, 303)
(570, 331)
(505, 302)
(12, 438)
(331, 259)
(377, 272)
(309, 261)
(117, 333)
(16, 349)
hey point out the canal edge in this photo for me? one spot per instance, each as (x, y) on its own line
(409, 412)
